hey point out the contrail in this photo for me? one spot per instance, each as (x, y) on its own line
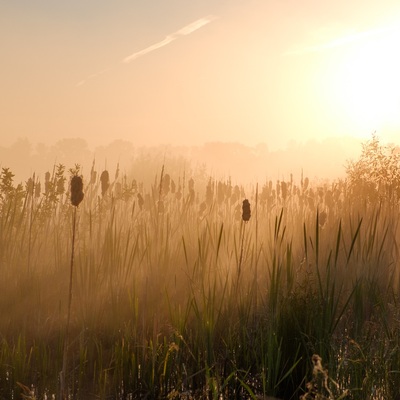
(338, 42)
(186, 30)
(83, 81)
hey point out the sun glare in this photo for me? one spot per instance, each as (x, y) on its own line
(366, 83)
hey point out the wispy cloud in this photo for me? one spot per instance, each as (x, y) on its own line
(342, 41)
(186, 30)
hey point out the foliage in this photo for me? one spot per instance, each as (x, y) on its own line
(189, 301)
(375, 176)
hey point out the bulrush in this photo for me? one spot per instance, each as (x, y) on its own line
(105, 182)
(76, 198)
(246, 211)
(76, 190)
(246, 214)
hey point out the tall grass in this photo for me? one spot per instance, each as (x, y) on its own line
(175, 296)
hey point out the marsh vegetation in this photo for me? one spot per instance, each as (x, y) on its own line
(181, 290)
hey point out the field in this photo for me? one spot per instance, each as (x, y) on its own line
(179, 293)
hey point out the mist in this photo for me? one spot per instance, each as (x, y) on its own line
(319, 159)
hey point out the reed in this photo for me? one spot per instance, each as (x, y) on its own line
(195, 299)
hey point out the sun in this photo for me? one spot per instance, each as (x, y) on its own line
(366, 82)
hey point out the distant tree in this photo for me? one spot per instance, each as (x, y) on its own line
(375, 176)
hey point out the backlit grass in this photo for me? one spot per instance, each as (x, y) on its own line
(176, 296)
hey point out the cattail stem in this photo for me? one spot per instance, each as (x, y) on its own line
(256, 253)
(241, 250)
(246, 214)
(30, 224)
(64, 390)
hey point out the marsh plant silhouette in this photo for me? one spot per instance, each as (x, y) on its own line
(76, 198)
(158, 310)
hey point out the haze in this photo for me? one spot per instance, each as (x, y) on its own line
(188, 73)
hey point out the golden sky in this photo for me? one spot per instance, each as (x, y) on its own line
(182, 72)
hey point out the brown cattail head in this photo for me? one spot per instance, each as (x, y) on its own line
(246, 212)
(30, 185)
(47, 183)
(105, 182)
(38, 188)
(140, 200)
(76, 190)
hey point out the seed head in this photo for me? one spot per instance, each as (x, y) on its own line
(38, 188)
(76, 190)
(246, 212)
(105, 182)
(140, 200)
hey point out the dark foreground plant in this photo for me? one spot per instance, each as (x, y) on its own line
(76, 198)
(322, 386)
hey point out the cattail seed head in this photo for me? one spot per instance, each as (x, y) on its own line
(30, 185)
(246, 212)
(105, 182)
(140, 200)
(160, 206)
(47, 183)
(38, 189)
(284, 190)
(93, 176)
(76, 190)
(191, 183)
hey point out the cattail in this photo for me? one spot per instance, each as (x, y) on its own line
(30, 185)
(192, 196)
(140, 200)
(147, 202)
(323, 216)
(246, 212)
(160, 206)
(178, 194)
(191, 184)
(220, 192)
(306, 182)
(93, 176)
(284, 190)
(76, 190)
(209, 193)
(60, 185)
(235, 195)
(161, 183)
(105, 182)
(203, 207)
(118, 190)
(47, 183)
(134, 185)
(238, 215)
(76, 198)
(38, 189)
(166, 184)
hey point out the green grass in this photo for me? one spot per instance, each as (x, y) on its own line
(188, 299)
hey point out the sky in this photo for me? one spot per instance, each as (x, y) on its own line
(189, 72)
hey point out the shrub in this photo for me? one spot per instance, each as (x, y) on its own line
(375, 176)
